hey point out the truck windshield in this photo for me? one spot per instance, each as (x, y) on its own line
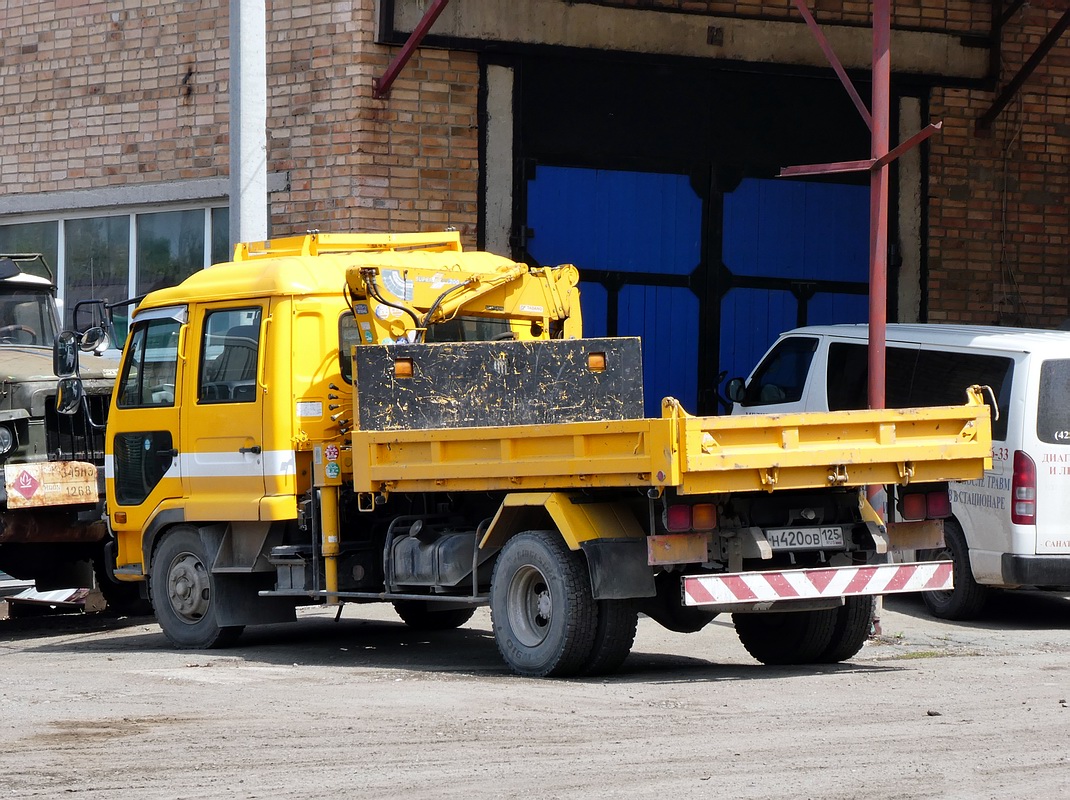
(27, 317)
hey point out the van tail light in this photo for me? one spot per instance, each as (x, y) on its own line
(1024, 490)
(938, 505)
(914, 507)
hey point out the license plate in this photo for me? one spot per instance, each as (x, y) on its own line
(805, 538)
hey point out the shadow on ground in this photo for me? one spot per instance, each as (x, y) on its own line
(1024, 610)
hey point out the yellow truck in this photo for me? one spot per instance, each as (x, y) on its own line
(387, 418)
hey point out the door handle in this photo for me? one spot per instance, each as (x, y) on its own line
(173, 452)
(255, 450)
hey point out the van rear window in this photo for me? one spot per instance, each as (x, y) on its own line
(919, 378)
(1053, 405)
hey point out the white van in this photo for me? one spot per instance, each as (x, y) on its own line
(1008, 529)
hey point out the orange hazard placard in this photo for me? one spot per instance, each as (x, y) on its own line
(50, 484)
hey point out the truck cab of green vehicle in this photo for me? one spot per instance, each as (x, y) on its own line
(51, 522)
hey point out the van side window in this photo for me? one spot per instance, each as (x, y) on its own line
(942, 379)
(918, 378)
(1053, 411)
(230, 348)
(848, 376)
(781, 377)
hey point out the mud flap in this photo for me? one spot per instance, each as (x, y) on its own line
(619, 568)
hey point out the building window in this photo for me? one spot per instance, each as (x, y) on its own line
(96, 261)
(170, 247)
(118, 256)
(32, 237)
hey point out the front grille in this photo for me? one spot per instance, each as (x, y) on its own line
(74, 437)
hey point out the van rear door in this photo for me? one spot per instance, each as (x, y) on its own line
(1052, 458)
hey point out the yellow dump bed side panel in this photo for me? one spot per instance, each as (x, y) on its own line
(697, 455)
(843, 448)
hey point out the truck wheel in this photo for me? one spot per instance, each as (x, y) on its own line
(181, 588)
(786, 637)
(422, 615)
(613, 637)
(968, 597)
(542, 610)
(854, 620)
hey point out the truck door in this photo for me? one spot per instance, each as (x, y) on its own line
(144, 469)
(223, 422)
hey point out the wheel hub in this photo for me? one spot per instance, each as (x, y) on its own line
(530, 606)
(188, 588)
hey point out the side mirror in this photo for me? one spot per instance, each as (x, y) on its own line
(735, 389)
(69, 395)
(94, 339)
(65, 354)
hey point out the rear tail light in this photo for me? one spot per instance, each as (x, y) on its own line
(938, 505)
(1024, 490)
(704, 516)
(678, 518)
(914, 507)
(699, 517)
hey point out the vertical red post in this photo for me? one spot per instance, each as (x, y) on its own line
(878, 202)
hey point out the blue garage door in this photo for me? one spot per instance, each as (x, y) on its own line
(796, 253)
(638, 235)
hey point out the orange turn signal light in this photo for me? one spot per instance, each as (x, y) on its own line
(403, 368)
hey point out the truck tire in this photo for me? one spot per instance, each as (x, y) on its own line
(786, 637)
(613, 637)
(181, 589)
(854, 620)
(542, 610)
(968, 597)
(422, 615)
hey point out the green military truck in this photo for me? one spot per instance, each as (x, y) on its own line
(51, 497)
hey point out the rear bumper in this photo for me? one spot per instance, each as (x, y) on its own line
(1021, 570)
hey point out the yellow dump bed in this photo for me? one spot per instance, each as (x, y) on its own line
(696, 455)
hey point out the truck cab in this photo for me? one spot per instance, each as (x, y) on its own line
(51, 528)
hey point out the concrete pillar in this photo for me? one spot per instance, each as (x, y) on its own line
(248, 122)
(498, 202)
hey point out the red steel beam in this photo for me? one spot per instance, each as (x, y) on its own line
(381, 86)
(878, 201)
(837, 67)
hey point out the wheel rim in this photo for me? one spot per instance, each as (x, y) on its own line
(188, 588)
(531, 606)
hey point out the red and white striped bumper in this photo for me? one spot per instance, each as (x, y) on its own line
(813, 584)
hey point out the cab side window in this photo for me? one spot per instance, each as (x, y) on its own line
(230, 348)
(781, 377)
(148, 377)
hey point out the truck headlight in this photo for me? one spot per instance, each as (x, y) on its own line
(7, 440)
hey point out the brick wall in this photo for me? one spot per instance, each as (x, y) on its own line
(405, 163)
(999, 221)
(99, 93)
(106, 94)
